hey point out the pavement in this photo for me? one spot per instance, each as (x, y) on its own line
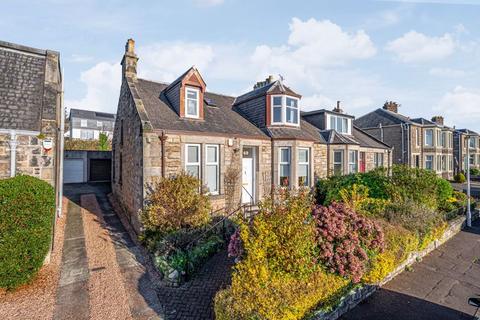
(437, 288)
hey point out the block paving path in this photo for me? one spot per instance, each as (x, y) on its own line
(437, 288)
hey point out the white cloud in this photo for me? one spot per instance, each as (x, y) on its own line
(103, 86)
(312, 60)
(447, 72)
(208, 3)
(167, 60)
(417, 47)
(461, 106)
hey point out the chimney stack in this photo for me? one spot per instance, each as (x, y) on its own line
(338, 109)
(261, 84)
(391, 106)
(129, 61)
(438, 120)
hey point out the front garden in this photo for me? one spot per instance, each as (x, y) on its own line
(302, 253)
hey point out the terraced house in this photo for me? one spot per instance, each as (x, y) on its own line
(416, 142)
(463, 139)
(239, 147)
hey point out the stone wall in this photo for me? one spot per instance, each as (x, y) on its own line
(127, 157)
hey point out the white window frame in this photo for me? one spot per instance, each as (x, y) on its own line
(197, 91)
(443, 139)
(87, 134)
(83, 123)
(302, 163)
(377, 156)
(433, 143)
(284, 111)
(431, 160)
(341, 163)
(355, 163)
(199, 163)
(99, 123)
(216, 163)
(289, 163)
(344, 120)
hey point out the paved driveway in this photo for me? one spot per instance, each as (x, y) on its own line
(437, 288)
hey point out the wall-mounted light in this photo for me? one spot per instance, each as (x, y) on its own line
(230, 142)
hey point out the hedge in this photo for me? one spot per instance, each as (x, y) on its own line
(27, 208)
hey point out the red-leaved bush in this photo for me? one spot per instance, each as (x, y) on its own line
(344, 238)
(235, 247)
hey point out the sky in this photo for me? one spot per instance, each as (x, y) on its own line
(423, 54)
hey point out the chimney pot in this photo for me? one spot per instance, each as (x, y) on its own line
(391, 106)
(338, 109)
(438, 120)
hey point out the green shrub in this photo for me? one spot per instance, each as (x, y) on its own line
(474, 171)
(175, 203)
(460, 178)
(278, 277)
(27, 209)
(444, 194)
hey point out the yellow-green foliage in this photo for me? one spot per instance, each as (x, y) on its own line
(357, 198)
(175, 203)
(432, 235)
(276, 297)
(79, 144)
(278, 277)
(399, 243)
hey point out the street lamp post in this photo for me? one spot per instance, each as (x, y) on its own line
(469, 212)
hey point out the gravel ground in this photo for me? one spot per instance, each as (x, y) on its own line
(108, 297)
(37, 299)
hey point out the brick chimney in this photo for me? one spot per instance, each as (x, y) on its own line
(391, 106)
(261, 84)
(129, 61)
(338, 109)
(438, 120)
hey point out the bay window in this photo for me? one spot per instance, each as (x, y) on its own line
(284, 166)
(303, 167)
(338, 162)
(429, 137)
(192, 160)
(192, 96)
(285, 110)
(352, 161)
(429, 162)
(212, 169)
(439, 163)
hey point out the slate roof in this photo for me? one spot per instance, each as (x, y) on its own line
(380, 115)
(366, 140)
(305, 132)
(425, 122)
(219, 119)
(92, 115)
(468, 131)
(276, 87)
(22, 86)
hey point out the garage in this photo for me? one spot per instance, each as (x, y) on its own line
(100, 169)
(73, 171)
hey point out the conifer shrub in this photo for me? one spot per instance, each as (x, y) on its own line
(27, 209)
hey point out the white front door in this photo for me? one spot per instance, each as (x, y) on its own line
(247, 176)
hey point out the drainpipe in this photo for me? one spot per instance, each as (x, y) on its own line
(409, 162)
(13, 152)
(328, 160)
(403, 144)
(272, 151)
(163, 138)
(60, 142)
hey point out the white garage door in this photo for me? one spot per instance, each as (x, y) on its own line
(73, 171)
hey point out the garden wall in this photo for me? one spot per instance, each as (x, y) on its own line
(357, 295)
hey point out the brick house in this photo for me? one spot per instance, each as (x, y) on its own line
(460, 149)
(30, 112)
(416, 142)
(239, 147)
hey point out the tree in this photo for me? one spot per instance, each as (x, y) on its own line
(103, 144)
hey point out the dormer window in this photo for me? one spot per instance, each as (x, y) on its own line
(339, 124)
(192, 102)
(285, 110)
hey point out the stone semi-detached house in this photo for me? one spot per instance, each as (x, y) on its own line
(30, 113)
(239, 147)
(416, 142)
(460, 144)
